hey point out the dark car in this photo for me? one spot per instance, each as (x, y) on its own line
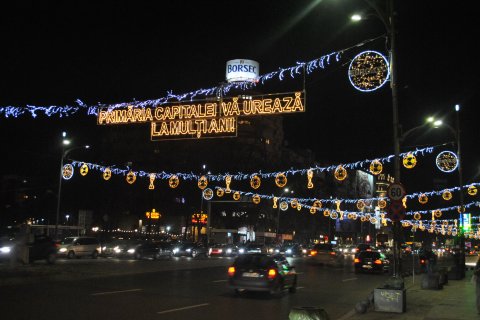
(252, 248)
(152, 250)
(293, 250)
(42, 248)
(324, 253)
(362, 247)
(222, 250)
(189, 249)
(371, 261)
(262, 272)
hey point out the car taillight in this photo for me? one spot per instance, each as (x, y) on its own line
(231, 271)
(272, 273)
(313, 253)
(378, 261)
(333, 253)
(356, 260)
(422, 261)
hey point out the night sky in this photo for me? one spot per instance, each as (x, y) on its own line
(55, 52)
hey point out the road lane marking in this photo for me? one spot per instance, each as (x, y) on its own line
(184, 308)
(114, 292)
(351, 279)
(219, 280)
(300, 288)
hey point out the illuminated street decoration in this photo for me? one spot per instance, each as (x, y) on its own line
(472, 190)
(376, 167)
(208, 194)
(228, 180)
(326, 213)
(281, 180)
(275, 200)
(368, 71)
(382, 203)
(423, 198)
(360, 204)
(447, 161)
(203, 119)
(309, 177)
(151, 177)
(255, 182)
(317, 204)
(294, 203)
(173, 181)
(202, 182)
(340, 173)
(153, 214)
(447, 195)
(437, 213)
(409, 160)
(256, 199)
(131, 177)
(236, 195)
(199, 218)
(84, 169)
(283, 205)
(417, 216)
(220, 192)
(67, 171)
(107, 174)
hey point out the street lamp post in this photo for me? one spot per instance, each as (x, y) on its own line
(65, 142)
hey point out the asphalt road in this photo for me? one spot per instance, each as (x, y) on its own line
(178, 289)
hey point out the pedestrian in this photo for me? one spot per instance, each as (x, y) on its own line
(476, 278)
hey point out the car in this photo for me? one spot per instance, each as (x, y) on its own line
(77, 247)
(42, 248)
(262, 272)
(222, 250)
(324, 253)
(363, 247)
(189, 249)
(293, 250)
(152, 250)
(6, 249)
(252, 248)
(371, 261)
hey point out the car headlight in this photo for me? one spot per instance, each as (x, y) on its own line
(270, 250)
(188, 250)
(229, 251)
(62, 250)
(241, 250)
(131, 251)
(175, 250)
(5, 249)
(288, 251)
(304, 250)
(117, 249)
(220, 250)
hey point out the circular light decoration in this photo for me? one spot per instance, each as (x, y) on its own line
(236, 195)
(368, 71)
(334, 215)
(281, 180)
(202, 182)
(294, 203)
(326, 213)
(382, 203)
(317, 204)
(472, 190)
(283, 205)
(313, 210)
(363, 219)
(360, 204)
(373, 220)
(131, 177)
(107, 174)
(447, 161)
(460, 209)
(207, 194)
(376, 167)
(220, 192)
(173, 182)
(340, 173)
(445, 223)
(417, 216)
(437, 213)
(409, 160)
(447, 195)
(84, 169)
(256, 199)
(350, 215)
(423, 198)
(255, 182)
(67, 171)
(299, 206)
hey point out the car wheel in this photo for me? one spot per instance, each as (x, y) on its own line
(293, 288)
(71, 255)
(51, 258)
(137, 256)
(276, 289)
(239, 292)
(95, 254)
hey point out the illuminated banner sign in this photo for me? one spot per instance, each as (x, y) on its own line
(153, 215)
(242, 70)
(199, 218)
(203, 119)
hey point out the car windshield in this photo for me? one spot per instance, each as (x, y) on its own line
(258, 261)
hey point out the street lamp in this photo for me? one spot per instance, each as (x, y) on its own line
(387, 17)
(285, 191)
(65, 152)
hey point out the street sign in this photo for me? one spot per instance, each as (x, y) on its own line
(396, 210)
(396, 191)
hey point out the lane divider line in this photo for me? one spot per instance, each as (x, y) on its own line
(219, 280)
(184, 308)
(351, 279)
(114, 292)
